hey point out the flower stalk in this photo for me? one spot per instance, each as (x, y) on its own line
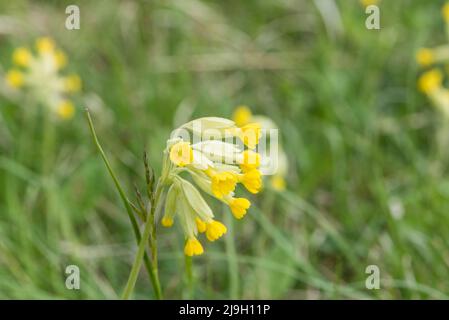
(151, 266)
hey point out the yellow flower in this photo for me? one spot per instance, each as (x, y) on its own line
(167, 222)
(214, 230)
(250, 134)
(193, 247)
(60, 59)
(72, 83)
(252, 180)
(430, 81)
(239, 206)
(445, 12)
(21, 57)
(250, 160)
(242, 115)
(201, 225)
(181, 154)
(66, 110)
(223, 183)
(14, 78)
(45, 45)
(425, 57)
(278, 183)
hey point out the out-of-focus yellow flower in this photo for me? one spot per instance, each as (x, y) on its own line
(22, 57)
(445, 12)
(66, 110)
(45, 45)
(425, 57)
(14, 78)
(430, 81)
(242, 116)
(60, 59)
(72, 83)
(278, 182)
(40, 74)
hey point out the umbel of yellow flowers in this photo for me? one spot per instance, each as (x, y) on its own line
(431, 81)
(242, 116)
(215, 167)
(40, 74)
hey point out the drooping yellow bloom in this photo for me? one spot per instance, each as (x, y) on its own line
(201, 225)
(242, 116)
(223, 183)
(181, 154)
(215, 230)
(193, 247)
(66, 110)
(14, 78)
(252, 180)
(430, 81)
(21, 57)
(167, 222)
(239, 206)
(425, 57)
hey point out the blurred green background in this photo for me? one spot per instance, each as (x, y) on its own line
(367, 183)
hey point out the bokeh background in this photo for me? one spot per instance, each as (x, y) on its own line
(368, 181)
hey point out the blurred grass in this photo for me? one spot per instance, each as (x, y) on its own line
(360, 140)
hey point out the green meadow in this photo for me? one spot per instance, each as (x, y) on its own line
(367, 181)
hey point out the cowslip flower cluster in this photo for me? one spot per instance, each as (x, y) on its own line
(242, 116)
(222, 159)
(40, 75)
(430, 81)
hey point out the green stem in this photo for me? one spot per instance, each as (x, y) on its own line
(148, 232)
(189, 276)
(153, 278)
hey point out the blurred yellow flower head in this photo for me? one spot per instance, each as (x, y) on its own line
(430, 81)
(445, 12)
(425, 57)
(39, 74)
